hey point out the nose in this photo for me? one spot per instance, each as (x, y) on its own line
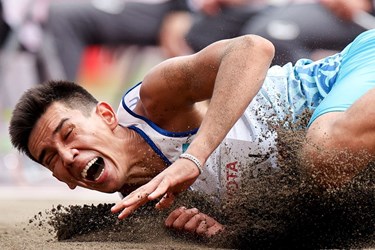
(68, 155)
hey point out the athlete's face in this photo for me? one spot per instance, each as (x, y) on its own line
(79, 150)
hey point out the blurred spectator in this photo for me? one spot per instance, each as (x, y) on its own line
(297, 28)
(172, 34)
(221, 19)
(17, 65)
(74, 25)
(302, 27)
(4, 27)
(23, 18)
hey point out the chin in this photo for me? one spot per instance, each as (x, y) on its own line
(109, 190)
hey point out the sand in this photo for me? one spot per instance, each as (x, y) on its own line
(267, 217)
(282, 209)
(17, 233)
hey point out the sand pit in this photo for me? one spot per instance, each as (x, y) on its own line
(282, 209)
(16, 231)
(267, 217)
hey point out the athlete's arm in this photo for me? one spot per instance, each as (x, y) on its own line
(230, 72)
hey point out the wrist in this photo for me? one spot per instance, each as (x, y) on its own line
(193, 159)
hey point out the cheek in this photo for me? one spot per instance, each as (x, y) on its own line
(83, 140)
(61, 174)
(93, 140)
(103, 137)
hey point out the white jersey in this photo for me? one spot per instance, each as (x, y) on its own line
(250, 144)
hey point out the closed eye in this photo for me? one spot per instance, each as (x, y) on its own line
(67, 134)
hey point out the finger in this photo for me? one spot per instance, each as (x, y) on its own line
(120, 204)
(133, 198)
(210, 221)
(215, 229)
(180, 222)
(126, 212)
(160, 190)
(166, 201)
(173, 216)
(193, 224)
(143, 192)
(129, 210)
(202, 228)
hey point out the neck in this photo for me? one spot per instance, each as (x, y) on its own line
(143, 163)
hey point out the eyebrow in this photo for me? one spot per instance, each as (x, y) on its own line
(55, 131)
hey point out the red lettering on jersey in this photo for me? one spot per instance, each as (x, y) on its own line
(232, 166)
(232, 178)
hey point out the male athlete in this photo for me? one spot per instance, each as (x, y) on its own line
(166, 137)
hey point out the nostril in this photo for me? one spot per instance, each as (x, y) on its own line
(68, 156)
(75, 153)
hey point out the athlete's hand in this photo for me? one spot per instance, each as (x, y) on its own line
(173, 180)
(193, 221)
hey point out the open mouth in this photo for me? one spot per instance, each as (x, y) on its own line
(94, 169)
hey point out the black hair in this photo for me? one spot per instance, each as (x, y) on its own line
(34, 103)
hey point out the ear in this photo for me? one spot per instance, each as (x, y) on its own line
(106, 112)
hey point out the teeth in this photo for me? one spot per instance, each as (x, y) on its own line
(84, 171)
(100, 174)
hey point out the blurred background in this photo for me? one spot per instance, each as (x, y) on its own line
(105, 70)
(108, 45)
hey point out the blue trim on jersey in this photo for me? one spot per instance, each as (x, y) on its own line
(151, 143)
(153, 125)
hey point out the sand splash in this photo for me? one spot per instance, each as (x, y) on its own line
(282, 209)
